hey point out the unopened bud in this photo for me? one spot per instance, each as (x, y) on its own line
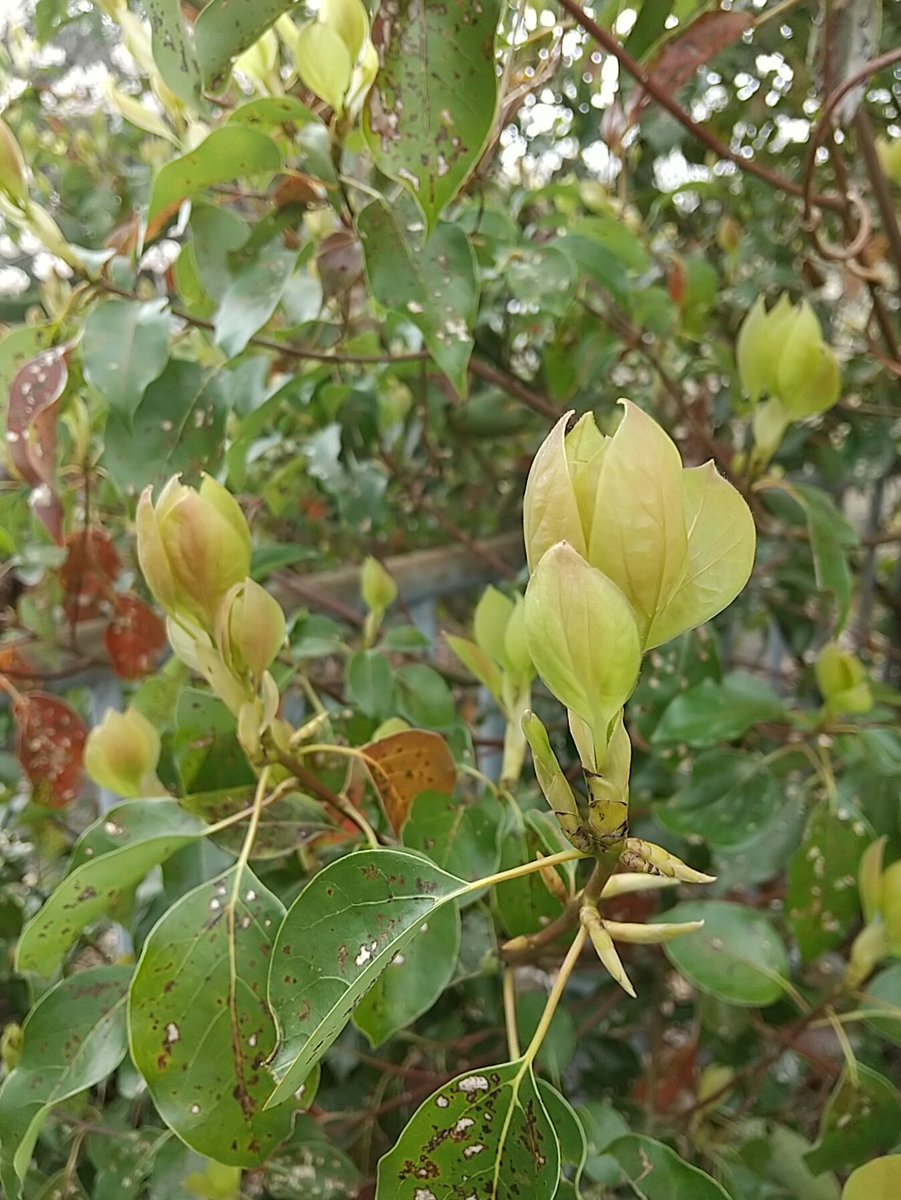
(867, 951)
(250, 630)
(378, 589)
(651, 935)
(13, 173)
(122, 753)
(11, 1045)
(606, 951)
(842, 680)
(639, 855)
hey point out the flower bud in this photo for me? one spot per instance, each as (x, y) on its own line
(639, 855)
(868, 949)
(869, 878)
(13, 173)
(554, 784)
(516, 646)
(891, 905)
(334, 54)
(606, 951)
(193, 545)
(250, 630)
(378, 589)
(842, 680)
(761, 339)
(808, 376)
(583, 639)
(651, 935)
(489, 624)
(121, 754)
(11, 1045)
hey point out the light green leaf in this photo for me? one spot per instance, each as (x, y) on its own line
(252, 297)
(830, 536)
(230, 152)
(660, 1173)
(199, 1026)
(112, 856)
(413, 980)
(124, 348)
(432, 283)
(876, 1180)
(225, 29)
(341, 933)
(370, 683)
(737, 956)
(432, 105)
(485, 1133)
(74, 1037)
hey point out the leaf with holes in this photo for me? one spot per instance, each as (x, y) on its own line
(124, 348)
(50, 747)
(73, 1038)
(822, 902)
(407, 764)
(111, 856)
(202, 1050)
(431, 108)
(485, 1135)
(413, 980)
(340, 934)
(861, 1120)
(31, 419)
(135, 638)
(431, 283)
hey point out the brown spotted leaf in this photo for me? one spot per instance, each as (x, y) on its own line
(405, 765)
(135, 637)
(51, 747)
(343, 930)
(201, 1046)
(92, 565)
(484, 1135)
(680, 58)
(31, 431)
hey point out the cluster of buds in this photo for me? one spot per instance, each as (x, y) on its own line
(782, 355)
(627, 549)
(880, 898)
(500, 660)
(194, 548)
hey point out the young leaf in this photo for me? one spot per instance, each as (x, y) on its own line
(112, 856)
(485, 1134)
(344, 929)
(199, 1026)
(879, 1179)
(413, 980)
(432, 105)
(73, 1038)
(405, 765)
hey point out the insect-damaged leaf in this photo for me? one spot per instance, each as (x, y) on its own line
(340, 934)
(485, 1135)
(31, 432)
(224, 30)
(73, 1038)
(432, 105)
(50, 747)
(407, 764)
(432, 283)
(199, 1025)
(110, 857)
(135, 637)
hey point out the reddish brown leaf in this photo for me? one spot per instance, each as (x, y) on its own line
(676, 282)
(31, 431)
(51, 747)
(680, 58)
(135, 638)
(406, 764)
(15, 663)
(92, 565)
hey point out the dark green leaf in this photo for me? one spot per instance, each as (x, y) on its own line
(717, 712)
(252, 296)
(432, 283)
(884, 991)
(560, 1041)
(112, 856)
(74, 1037)
(570, 1135)
(485, 1135)
(737, 956)
(370, 683)
(224, 29)
(310, 1167)
(729, 798)
(458, 836)
(341, 933)
(861, 1119)
(424, 698)
(660, 1173)
(199, 1026)
(432, 105)
(173, 49)
(830, 536)
(124, 348)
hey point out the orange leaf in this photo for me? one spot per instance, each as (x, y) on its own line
(51, 747)
(91, 565)
(406, 764)
(135, 638)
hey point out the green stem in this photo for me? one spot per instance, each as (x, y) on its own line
(563, 975)
(510, 1015)
(552, 860)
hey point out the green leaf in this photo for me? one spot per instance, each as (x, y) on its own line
(602, 1125)
(876, 1180)
(310, 1167)
(178, 426)
(252, 297)
(570, 1135)
(73, 1038)
(284, 826)
(728, 799)
(884, 990)
(830, 535)
(822, 902)
(714, 712)
(737, 956)
(224, 29)
(859, 1120)
(173, 49)
(458, 836)
(199, 1026)
(560, 1041)
(112, 856)
(484, 1134)
(339, 935)
(228, 153)
(660, 1173)
(413, 980)
(272, 111)
(424, 698)
(431, 108)
(18, 346)
(370, 683)
(124, 348)
(433, 283)
(523, 904)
